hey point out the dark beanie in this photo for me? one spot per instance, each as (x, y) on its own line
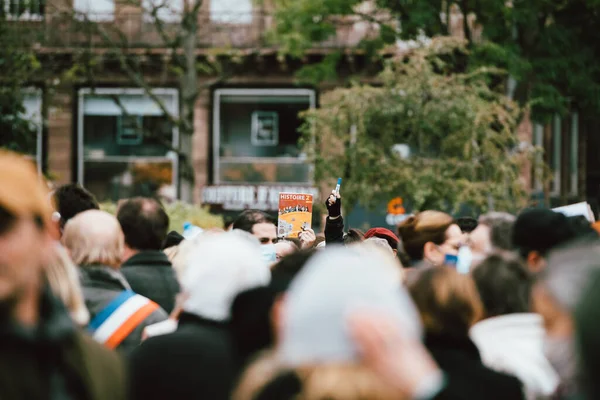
(541, 230)
(172, 239)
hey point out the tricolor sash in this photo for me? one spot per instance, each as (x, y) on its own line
(120, 317)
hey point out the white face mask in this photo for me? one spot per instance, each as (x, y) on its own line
(269, 253)
(465, 259)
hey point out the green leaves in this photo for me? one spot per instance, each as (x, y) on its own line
(19, 65)
(460, 132)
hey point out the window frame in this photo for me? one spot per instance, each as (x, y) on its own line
(38, 94)
(95, 16)
(217, 16)
(216, 128)
(166, 14)
(82, 93)
(26, 16)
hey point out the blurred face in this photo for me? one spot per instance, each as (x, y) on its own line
(265, 232)
(479, 240)
(437, 253)
(24, 248)
(557, 321)
(283, 249)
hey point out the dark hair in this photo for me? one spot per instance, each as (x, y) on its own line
(173, 239)
(251, 310)
(144, 223)
(582, 227)
(228, 222)
(353, 236)
(467, 224)
(247, 219)
(284, 272)
(504, 285)
(501, 229)
(73, 199)
(541, 230)
(7, 220)
(426, 226)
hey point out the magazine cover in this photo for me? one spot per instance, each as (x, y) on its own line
(295, 214)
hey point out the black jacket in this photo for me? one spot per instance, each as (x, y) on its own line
(151, 274)
(334, 231)
(56, 361)
(194, 362)
(467, 377)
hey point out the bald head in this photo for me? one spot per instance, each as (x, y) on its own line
(94, 237)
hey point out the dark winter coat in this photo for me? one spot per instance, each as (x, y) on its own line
(151, 274)
(101, 285)
(334, 231)
(467, 377)
(194, 362)
(56, 360)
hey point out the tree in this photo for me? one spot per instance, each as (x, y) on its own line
(461, 133)
(548, 46)
(17, 133)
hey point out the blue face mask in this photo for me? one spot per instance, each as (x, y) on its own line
(269, 254)
(462, 262)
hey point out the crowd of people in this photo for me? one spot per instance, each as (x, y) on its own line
(100, 306)
(298, 208)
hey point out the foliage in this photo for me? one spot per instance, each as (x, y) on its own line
(549, 46)
(16, 131)
(180, 212)
(462, 136)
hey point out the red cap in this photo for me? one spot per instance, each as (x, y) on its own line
(383, 233)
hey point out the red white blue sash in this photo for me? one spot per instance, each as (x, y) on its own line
(120, 317)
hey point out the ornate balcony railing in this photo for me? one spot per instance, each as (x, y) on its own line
(140, 30)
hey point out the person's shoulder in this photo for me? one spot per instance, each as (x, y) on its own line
(157, 316)
(105, 368)
(98, 354)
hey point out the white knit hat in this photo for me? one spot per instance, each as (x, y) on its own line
(220, 266)
(332, 286)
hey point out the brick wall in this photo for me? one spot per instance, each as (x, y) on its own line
(60, 135)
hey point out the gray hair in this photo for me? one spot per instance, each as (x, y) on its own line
(94, 237)
(568, 272)
(501, 226)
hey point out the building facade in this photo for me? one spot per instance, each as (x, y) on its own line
(243, 148)
(116, 133)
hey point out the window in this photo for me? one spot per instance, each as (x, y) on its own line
(32, 102)
(562, 144)
(556, 154)
(28, 10)
(126, 143)
(169, 11)
(256, 133)
(96, 10)
(538, 140)
(574, 159)
(231, 11)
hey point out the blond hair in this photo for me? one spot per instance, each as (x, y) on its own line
(344, 382)
(320, 382)
(94, 237)
(425, 227)
(63, 279)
